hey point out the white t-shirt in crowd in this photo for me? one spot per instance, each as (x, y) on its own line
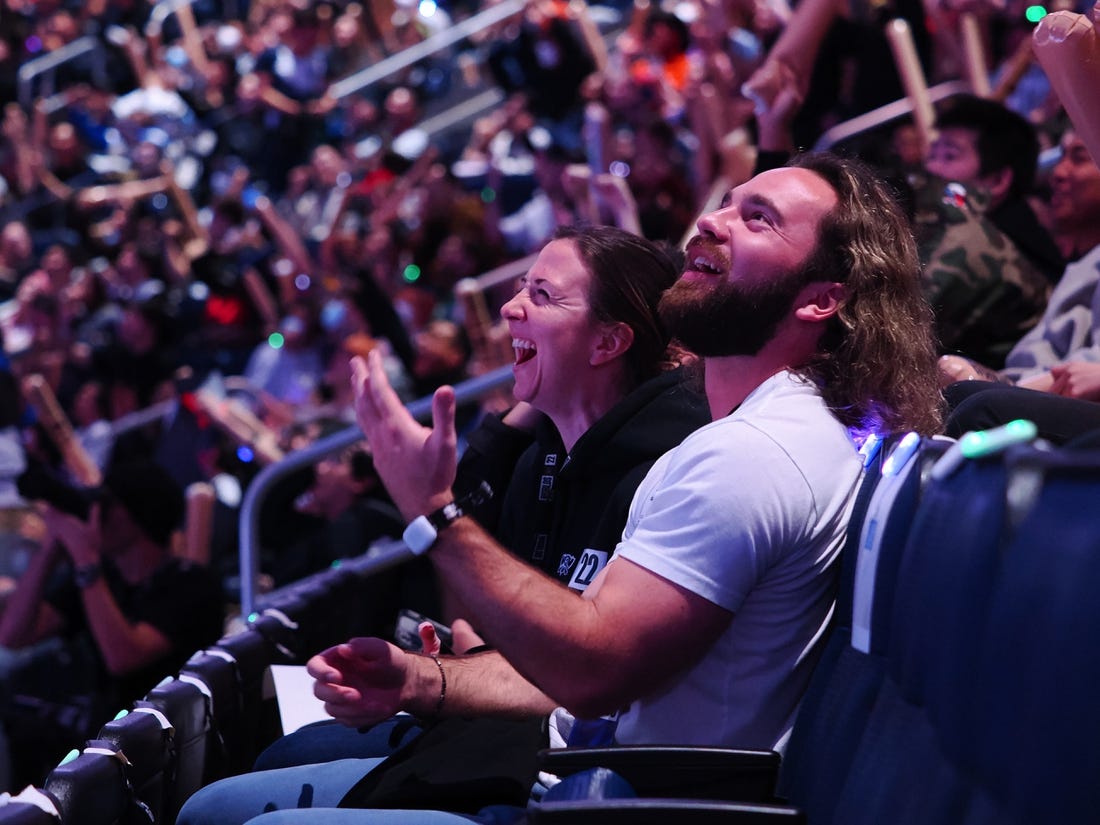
(749, 512)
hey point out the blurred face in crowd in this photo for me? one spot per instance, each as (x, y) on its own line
(954, 156)
(65, 145)
(438, 349)
(130, 266)
(327, 165)
(345, 31)
(146, 157)
(137, 331)
(1075, 187)
(57, 265)
(90, 403)
(15, 243)
(906, 142)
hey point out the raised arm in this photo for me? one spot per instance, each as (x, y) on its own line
(27, 617)
(594, 653)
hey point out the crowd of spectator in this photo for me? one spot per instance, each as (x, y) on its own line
(202, 212)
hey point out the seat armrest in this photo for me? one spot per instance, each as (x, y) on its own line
(677, 772)
(648, 811)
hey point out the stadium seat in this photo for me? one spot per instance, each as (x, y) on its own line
(842, 693)
(281, 630)
(147, 739)
(31, 806)
(252, 655)
(216, 672)
(1031, 741)
(187, 709)
(950, 547)
(91, 788)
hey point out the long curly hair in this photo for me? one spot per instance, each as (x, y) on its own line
(876, 364)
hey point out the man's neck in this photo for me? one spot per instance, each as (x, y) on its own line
(729, 381)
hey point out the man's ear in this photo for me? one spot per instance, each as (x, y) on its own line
(997, 183)
(819, 301)
(613, 340)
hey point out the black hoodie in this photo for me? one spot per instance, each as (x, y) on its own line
(557, 505)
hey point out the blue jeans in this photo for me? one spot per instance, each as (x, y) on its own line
(328, 741)
(310, 793)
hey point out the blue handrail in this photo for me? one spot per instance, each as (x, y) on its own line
(420, 409)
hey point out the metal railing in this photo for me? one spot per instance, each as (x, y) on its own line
(504, 273)
(139, 418)
(159, 14)
(162, 11)
(421, 410)
(884, 114)
(436, 43)
(49, 63)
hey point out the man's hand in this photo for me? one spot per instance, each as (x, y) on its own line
(1076, 379)
(81, 539)
(417, 464)
(954, 368)
(463, 637)
(363, 681)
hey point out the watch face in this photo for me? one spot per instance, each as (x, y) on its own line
(420, 535)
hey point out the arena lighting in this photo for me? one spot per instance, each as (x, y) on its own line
(411, 273)
(275, 340)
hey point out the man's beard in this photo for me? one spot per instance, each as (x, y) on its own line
(728, 318)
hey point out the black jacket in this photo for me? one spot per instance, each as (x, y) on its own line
(557, 505)
(1018, 221)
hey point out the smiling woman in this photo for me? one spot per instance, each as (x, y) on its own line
(592, 357)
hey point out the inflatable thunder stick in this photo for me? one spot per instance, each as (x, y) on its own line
(1067, 46)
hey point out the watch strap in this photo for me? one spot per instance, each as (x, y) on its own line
(422, 531)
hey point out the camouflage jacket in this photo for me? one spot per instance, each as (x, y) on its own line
(985, 294)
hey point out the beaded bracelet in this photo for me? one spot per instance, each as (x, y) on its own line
(443, 684)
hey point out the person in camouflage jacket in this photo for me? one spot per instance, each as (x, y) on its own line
(985, 294)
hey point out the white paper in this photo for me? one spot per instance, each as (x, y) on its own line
(294, 693)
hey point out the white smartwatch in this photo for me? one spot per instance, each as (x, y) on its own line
(422, 531)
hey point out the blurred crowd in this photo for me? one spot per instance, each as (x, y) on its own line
(205, 213)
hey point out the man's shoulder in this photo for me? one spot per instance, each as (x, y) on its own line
(782, 434)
